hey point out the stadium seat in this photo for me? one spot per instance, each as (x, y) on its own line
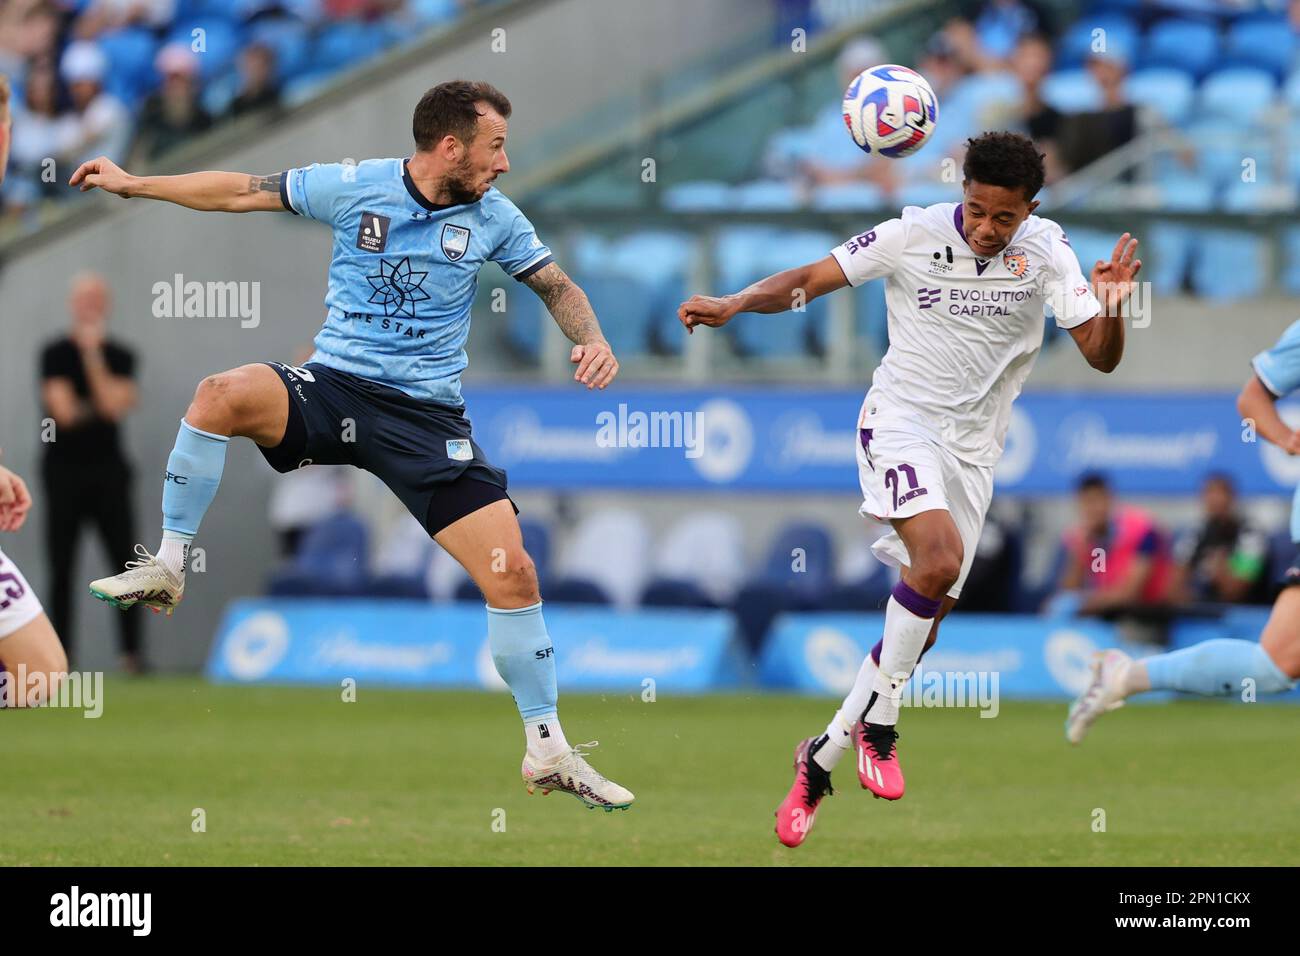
(332, 561)
(1221, 151)
(786, 334)
(430, 12)
(848, 197)
(779, 587)
(766, 195)
(1268, 44)
(1166, 92)
(1188, 45)
(924, 193)
(1118, 33)
(577, 591)
(609, 548)
(703, 196)
(221, 42)
(290, 42)
(1291, 93)
(668, 592)
(706, 547)
(1072, 91)
(1242, 94)
(1260, 196)
(1229, 264)
(347, 43)
(130, 53)
(623, 304)
(1171, 251)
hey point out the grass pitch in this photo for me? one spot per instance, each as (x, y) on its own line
(296, 776)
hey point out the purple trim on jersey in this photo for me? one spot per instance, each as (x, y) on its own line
(959, 220)
(918, 604)
(875, 651)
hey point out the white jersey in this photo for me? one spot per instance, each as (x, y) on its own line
(963, 331)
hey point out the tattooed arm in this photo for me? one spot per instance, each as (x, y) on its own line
(206, 192)
(568, 305)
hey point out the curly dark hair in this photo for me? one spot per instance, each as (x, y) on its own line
(452, 107)
(1004, 159)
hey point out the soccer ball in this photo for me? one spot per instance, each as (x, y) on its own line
(890, 110)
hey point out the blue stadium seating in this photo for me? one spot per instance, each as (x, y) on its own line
(1170, 251)
(1228, 264)
(1188, 45)
(290, 42)
(1120, 35)
(332, 560)
(623, 304)
(700, 196)
(221, 42)
(1072, 91)
(1167, 92)
(847, 197)
(766, 195)
(1291, 260)
(1245, 95)
(130, 53)
(1268, 44)
(348, 42)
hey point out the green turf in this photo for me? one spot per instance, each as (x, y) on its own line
(296, 776)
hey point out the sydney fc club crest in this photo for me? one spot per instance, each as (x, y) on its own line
(1016, 260)
(455, 240)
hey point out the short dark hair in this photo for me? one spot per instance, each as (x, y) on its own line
(1004, 159)
(1092, 481)
(1221, 478)
(452, 108)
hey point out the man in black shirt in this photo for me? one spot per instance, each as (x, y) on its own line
(1225, 560)
(87, 388)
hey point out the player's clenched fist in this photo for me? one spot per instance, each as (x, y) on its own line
(596, 364)
(709, 310)
(104, 174)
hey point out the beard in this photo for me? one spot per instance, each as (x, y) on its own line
(462, 186)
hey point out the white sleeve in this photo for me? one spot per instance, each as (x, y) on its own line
(874, 254)
(1064, 288)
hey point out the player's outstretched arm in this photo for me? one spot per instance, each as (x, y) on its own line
(1101, 338)
(777, 293)
(206, 192)
(1257, 404)
(15, 501)
(572, 311)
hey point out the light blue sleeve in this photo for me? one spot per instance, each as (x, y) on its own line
(318, 191)
(518, 250)
(1279, 367)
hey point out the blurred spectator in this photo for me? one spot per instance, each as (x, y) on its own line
(1086, 137)
(42, 131)
(101, 16)
(1031, 61)
(172, 114)
(1225, 560)
(258, 87)
(985, 43)
(103, 123)
(1117, 556)
(28, 29)
(87, 388)
(993, 583)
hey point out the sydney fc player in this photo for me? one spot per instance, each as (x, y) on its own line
(1224, 667)
(410, 236)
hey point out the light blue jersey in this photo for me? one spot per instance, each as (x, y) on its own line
(404, 271)
(1279, 369)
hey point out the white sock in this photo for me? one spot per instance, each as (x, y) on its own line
(545, 739)
(905, 635)
(839, 732)
(174, 552)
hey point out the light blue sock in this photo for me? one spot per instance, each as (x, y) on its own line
(193, 473)
(525, 659)
(1217, 668)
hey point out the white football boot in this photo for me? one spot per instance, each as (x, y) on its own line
(572, 774)
(1105, 692)
(145, 582)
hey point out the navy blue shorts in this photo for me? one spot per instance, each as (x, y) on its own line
(422, 451)
(1291, 576)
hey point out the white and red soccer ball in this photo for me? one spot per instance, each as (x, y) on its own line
(890, 110)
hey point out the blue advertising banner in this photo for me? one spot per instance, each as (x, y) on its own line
(409, 643)
(977, 657)
(788, 439)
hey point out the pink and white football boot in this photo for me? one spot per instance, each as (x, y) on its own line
(798, 811)
(878, 767)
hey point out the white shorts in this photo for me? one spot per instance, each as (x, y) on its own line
(18, 605)
(904, 471)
